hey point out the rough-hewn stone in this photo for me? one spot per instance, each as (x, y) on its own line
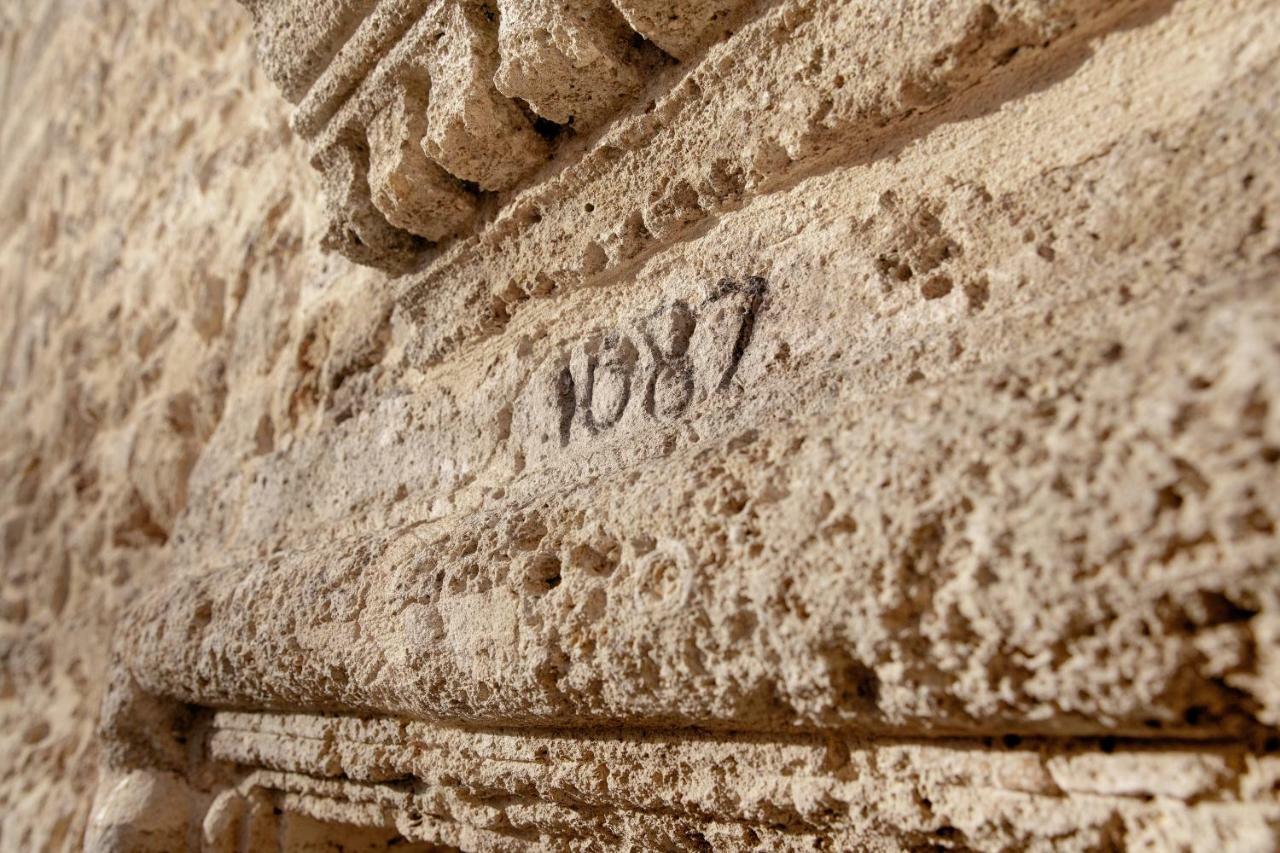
(857, 429)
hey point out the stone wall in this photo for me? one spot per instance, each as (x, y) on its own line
(628, 425)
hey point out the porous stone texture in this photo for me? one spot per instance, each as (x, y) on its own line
(857, 429)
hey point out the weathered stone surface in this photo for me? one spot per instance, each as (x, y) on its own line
(297, 41)
(572, 62)
(472, 130)
(413, 192)
(681, 29)
(859, 430)
(481, 72)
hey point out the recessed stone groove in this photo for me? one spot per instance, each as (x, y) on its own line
(413, 735)
(546, 783)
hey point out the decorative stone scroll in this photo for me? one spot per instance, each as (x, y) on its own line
(416, 110)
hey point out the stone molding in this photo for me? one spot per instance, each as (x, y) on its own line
(416, 110)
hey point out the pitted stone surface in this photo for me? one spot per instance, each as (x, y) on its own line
(570, 61)
(413, 192)
(481, 74)
(863, 436)
(297, 41)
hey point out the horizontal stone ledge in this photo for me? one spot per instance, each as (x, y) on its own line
(439, 784)
(1002, 559)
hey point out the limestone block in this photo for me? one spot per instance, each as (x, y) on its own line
(410, 190)
(864, 436)
(297, 41)
(357, 228)
(571, 61)
(472, 131)
(680, 29)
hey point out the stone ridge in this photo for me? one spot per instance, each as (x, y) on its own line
(297, 42)
(431, 788)
(615, 602)
(473, 789)
(417, 109)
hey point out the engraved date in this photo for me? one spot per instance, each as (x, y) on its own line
(660, 365)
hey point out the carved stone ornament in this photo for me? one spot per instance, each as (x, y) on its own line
(418, 111)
